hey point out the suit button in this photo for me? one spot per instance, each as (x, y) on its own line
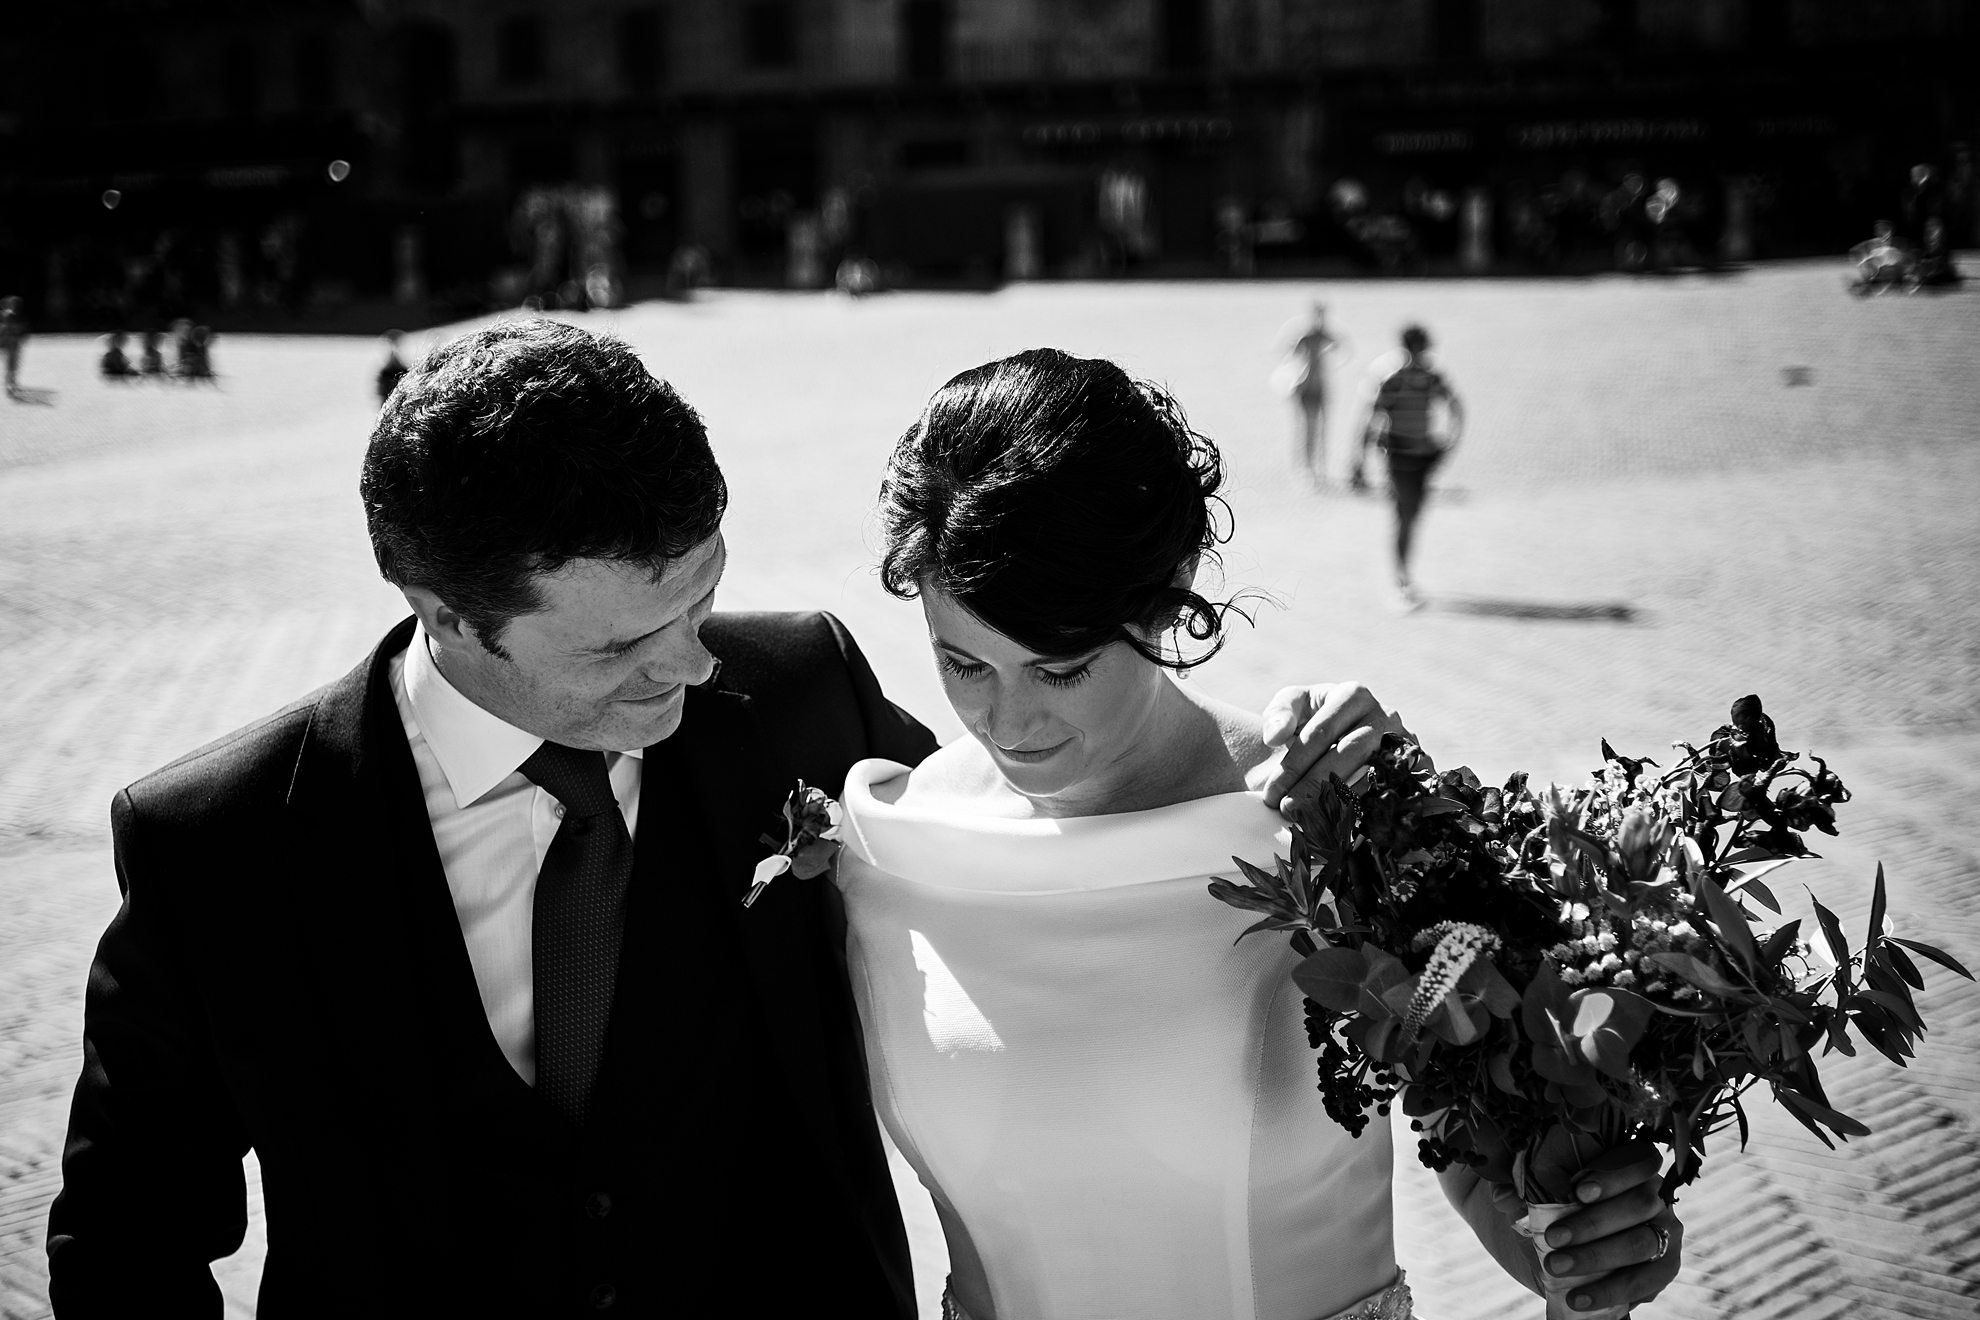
(603, 1296)
(597, 1205)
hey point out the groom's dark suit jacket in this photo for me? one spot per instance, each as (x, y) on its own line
(287, 974)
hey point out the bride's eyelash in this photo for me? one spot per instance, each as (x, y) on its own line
(957, 667)
(1069, 678)
(1064, 680)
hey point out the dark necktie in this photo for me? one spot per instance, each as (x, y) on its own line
(579, 916)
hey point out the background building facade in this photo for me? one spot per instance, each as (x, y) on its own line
(157, 155)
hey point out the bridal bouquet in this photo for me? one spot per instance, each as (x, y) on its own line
(1540, 975)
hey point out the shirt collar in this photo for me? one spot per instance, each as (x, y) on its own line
(476, 749)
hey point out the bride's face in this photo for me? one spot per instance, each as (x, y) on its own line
(1062, 728)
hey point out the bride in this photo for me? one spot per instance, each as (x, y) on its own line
(1112, 1107)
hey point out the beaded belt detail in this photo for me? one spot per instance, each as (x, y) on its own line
(1392, 1303)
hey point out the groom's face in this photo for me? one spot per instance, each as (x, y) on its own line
(606, 662)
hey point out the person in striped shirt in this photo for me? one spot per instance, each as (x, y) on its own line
(1416, 419)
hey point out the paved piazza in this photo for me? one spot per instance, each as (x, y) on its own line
(1674, 491)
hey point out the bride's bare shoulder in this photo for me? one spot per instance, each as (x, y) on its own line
(1242, 732)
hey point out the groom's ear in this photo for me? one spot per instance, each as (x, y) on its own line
(447, 629)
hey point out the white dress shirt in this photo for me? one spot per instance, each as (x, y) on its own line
(492, 827)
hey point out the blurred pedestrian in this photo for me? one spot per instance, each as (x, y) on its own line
(1237, 255)
(1303, 374)
(115, 364)
(151, 360)
(1416, 418)
(13, 333)
(688, 269)
(394, 367)
(196, 355)
(1935, 268)
(181, 335)
(1923, 199)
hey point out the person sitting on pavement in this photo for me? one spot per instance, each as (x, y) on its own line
(151, 359)
(115, 364)
(1882, 261)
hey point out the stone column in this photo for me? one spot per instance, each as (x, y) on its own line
(1475, 231)
(408, 265)
(1023, 249)
(708, 211)
(1736, 235)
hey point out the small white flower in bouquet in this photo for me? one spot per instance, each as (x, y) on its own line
(1538, 977)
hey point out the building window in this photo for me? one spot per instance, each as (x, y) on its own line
(1454, 29)
(519, 50)
(130, 79)
(925, 40)
(1766, 24)
(934, 154)
(427, 70)
(240, 82)
(541, 160)
(1618, 24)
(315, 78)
(642, 51)
(1185, 36)
(769, 34)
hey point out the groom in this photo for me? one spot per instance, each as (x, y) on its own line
(456, 945)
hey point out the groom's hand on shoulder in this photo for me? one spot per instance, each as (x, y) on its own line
(1322, 730)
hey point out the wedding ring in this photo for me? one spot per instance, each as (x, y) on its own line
(1663, 1242)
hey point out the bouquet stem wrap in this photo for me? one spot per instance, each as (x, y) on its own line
(1534, 1224)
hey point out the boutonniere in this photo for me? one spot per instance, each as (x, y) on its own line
(810, 842)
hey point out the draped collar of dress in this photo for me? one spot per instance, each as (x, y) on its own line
(1046, 855)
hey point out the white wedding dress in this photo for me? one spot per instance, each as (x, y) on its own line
(1113, 1107)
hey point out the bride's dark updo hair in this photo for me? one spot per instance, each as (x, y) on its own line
(1061, 502)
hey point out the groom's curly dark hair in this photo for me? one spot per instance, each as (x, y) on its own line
(514, 449)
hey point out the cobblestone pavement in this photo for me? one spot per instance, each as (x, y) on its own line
(1648, 518)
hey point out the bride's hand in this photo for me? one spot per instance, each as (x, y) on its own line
(1624, 1231)
(1323, 729)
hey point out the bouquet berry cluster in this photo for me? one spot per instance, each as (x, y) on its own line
(1539, 975)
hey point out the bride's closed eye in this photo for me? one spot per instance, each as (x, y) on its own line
(1053, 677)
(1067, 677)
(959, 668)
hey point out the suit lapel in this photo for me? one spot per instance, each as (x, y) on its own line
(734, 801)
(377, 925)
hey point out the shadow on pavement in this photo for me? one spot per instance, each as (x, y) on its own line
(1500, 607)
(22, 394)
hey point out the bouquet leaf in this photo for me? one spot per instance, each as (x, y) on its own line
(1944, 960)
(1332, 976)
